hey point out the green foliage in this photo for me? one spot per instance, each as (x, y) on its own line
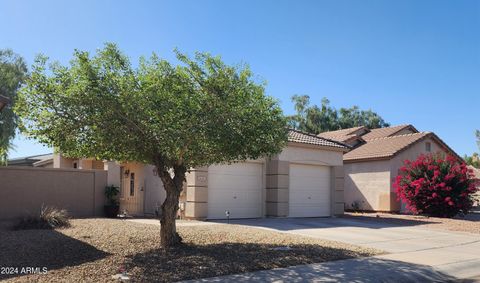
(111, 193)
(194, 114)
(473, 160)
(12, 73)
(477, 134)
(316, 119)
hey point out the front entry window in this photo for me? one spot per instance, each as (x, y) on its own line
(132, 184)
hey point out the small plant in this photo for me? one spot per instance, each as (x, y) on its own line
(436, 186)
(49, 218)
(111, 196)
(111, 193)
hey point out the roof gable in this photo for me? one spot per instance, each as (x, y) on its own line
(388, 131)
(344, 134)
(388, 147)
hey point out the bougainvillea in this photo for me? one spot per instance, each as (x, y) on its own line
(436, 185)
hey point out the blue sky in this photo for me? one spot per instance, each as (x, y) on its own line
(414, 62)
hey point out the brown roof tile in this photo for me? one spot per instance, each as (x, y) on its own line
(386, 132)
(384, 147)
(301, 137)
(341, 135)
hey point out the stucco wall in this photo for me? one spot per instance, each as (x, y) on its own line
(368, 185)
(23, 191)
(311, 155)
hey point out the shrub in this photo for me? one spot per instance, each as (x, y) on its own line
(49, 218)
(436, 185)
(111, 195)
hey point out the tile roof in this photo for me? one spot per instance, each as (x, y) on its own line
(341, 135)
(385, 147)
(386, 132)
(301, 137)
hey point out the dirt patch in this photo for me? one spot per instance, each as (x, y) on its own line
(95, 249)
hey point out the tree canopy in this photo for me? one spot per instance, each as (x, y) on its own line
(473, 160)
(316, 119)
(12, 73)
(196, 113)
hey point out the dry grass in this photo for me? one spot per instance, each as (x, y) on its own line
(94, 249)
(48, 218)
(470, 223)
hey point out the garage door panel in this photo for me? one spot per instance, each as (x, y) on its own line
(227, 182)
(309, 191)
(236, 188)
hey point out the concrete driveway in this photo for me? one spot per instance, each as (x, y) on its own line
(413, 253)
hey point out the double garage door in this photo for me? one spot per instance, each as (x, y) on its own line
(238, 188)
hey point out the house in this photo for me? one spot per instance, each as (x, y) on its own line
(304, 180)
(43, 160)
(374, 162)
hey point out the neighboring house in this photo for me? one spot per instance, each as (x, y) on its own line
(476, 172)
(44, 160)
(304, 180)
(375, 160)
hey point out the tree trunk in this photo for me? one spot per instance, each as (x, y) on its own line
(173, 187)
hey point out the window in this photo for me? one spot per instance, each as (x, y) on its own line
(428, 147)
(75, 166)
(132, 184)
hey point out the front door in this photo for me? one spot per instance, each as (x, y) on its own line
(131, 201)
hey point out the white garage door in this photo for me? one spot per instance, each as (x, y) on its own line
(309, 191)
(236, 188)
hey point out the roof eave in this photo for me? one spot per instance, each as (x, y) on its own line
(367, 159)
(316, 146)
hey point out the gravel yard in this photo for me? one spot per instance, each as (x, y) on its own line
(93, 250)
(470, 224)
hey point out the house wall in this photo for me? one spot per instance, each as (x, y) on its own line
(60, 161)
(23, 191)
(411, 153)
(368, 185)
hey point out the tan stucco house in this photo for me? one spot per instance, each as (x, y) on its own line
(304, 180)
(374, 162)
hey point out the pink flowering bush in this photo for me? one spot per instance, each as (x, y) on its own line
(436, 185)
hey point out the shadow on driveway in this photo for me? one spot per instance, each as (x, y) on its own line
(354, 270)
(286, 224)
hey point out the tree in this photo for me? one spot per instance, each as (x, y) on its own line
(312, 119)
(436, 185)
(354, 117)
(316, 119)
(195, 114)
(477, 134)
(12, 74)
(473, 160)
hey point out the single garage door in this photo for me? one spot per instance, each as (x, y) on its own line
(309, 191)
(236, 188)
